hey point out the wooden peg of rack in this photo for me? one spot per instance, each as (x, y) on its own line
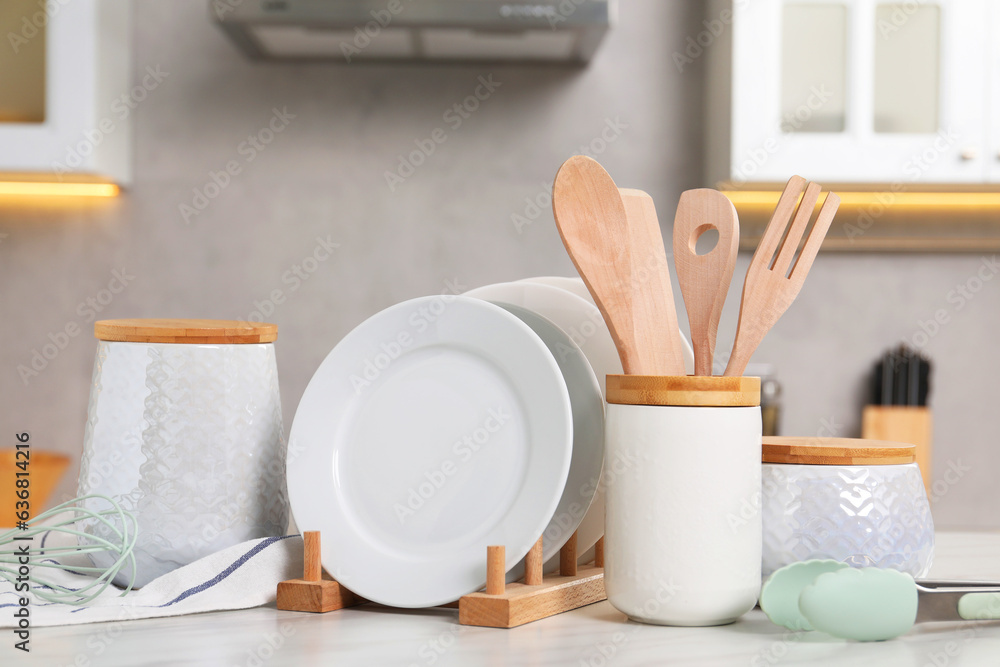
(312, 592)
(495, 580)
(533, 565)
(567, 557)
(504, 605)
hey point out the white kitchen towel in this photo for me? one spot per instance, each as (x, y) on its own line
(239, 577)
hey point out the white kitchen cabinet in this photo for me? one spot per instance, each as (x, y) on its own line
(66, 101)
(992, 153)
(854, 91)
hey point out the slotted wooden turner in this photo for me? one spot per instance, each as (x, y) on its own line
(769, 288)
(704, 279)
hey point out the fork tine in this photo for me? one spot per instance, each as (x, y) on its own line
(779, 221)
(802, 216)
(816, 236)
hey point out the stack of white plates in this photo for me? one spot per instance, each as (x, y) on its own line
(445, 424)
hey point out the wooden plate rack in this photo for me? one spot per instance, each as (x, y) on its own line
(500, 605)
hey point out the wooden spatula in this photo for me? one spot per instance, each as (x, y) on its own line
(704, 279)
(769, 288)
(594, 227)
(653, 293)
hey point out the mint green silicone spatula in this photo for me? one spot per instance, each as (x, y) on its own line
(870, 604)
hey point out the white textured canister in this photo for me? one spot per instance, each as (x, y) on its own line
(683, 485)
(184, 431)
(858, 501)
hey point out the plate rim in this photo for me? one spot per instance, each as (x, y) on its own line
(472, 562)
(596, 441)
(584, 305)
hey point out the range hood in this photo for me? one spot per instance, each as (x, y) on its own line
(441, 30)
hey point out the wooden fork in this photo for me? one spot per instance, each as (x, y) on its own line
(769, 289)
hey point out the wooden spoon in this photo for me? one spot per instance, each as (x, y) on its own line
(769, 288)
(593, 224)
(653, 292)
(704, 279)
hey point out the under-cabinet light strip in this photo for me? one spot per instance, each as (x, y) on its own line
(887, 198)
(55, 189)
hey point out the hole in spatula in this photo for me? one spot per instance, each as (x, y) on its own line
(706, 238)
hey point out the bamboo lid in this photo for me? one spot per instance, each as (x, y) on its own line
(220, 332)
(837, 451)
(681, 390)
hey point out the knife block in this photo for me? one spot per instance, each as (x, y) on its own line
(902, 423)
(500, 605)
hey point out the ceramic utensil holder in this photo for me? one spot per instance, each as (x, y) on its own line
(682, 478)
(184, 430)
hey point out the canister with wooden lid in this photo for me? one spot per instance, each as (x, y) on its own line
(184, 431)
(853, 500)
(682, 483)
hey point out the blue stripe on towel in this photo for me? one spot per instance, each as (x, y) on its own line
(217, 578)
(242, 560)
(228, 571)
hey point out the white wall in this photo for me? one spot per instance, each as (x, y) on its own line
(451, 221)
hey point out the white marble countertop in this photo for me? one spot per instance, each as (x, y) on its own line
(594, 636)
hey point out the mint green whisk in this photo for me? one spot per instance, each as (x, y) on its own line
(120, 527)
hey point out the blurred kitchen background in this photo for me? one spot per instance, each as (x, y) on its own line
(476, 211)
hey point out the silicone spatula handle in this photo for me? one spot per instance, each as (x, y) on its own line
(979, 606)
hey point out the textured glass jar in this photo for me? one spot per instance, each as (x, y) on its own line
(866, 509)
(184, 430)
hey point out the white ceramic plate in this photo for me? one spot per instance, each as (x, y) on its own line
(574, 285)
(588, 433)
(437, 427)
(577, 287)
(583, 323)
(577, 317)
(592, 526)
